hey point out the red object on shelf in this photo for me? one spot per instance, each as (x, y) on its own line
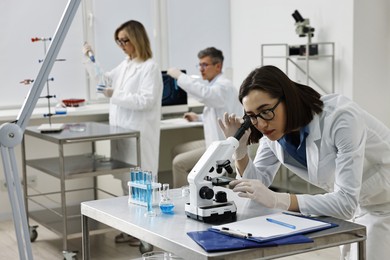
(35, 39)
(73, 102)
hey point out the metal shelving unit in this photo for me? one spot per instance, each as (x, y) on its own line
(293, 59)
(286, 181)
(65, 220)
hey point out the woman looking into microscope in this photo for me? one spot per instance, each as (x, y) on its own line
(329, 141)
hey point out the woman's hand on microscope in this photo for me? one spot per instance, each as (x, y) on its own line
(229, 126)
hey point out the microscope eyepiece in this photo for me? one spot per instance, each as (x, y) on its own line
(244, 126)
(297, 16)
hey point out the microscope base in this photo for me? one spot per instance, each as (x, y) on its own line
(218, 213)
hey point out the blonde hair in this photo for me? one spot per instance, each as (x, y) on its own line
(138, 37)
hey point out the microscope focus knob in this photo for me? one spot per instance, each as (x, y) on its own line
(220, 197)
(206, 193)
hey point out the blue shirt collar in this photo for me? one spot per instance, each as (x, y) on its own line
(297, 152)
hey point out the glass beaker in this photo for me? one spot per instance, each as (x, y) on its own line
(166, 204)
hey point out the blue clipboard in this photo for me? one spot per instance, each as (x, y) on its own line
(212, 241)
(247, 225)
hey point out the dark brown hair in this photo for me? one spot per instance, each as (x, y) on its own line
(301, 101)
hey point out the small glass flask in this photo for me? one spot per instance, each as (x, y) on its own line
(61, 108)
(166, 204)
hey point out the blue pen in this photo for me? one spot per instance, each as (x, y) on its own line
(281, 223)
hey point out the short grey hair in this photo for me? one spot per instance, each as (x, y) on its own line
(215, 54)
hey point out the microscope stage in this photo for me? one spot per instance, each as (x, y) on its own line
(216, 213)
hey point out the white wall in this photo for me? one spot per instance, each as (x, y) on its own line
(22, 20)
(371, 57)
(256, 22)
(196, 25)
(360, 30)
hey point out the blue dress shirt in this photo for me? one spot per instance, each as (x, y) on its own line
(298, 152)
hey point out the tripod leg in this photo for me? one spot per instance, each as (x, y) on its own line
(17, 203)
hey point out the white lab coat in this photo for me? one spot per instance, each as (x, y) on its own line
(348, 155)
(136, 104)
(218, 96)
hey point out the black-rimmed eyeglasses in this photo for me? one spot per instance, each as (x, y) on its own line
(266, 114)
(121, 42)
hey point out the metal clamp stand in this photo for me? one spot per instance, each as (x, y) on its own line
(11, 134)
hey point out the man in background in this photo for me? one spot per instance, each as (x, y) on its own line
(218, 95)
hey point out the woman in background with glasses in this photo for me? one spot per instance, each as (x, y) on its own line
(329, 141)
(135, 91)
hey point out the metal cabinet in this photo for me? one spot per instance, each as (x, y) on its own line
(65, 220)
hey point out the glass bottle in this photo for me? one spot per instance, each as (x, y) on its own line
(166, 204)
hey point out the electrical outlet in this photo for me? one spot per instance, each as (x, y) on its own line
(3, 185)
(31, 182)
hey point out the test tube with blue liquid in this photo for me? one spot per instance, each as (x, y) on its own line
(145, 180)
(148, 178)
(137, 171)
(155, 193)
(132, 179)
(149, 194)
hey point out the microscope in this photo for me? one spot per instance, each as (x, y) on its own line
(303, 29)
(302, 26)
(204, 204)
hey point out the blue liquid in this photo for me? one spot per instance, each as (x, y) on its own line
(148, 197)
(167, 208)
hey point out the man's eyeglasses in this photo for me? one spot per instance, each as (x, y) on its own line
(266, 114)
(122, 42)
(204, 65)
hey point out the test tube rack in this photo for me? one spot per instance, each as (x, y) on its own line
(138, 193)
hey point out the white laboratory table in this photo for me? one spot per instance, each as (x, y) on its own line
(178, 123)
(169, 232)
